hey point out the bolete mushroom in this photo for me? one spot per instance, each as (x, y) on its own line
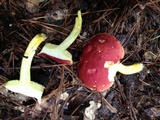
(100, 61)
(59, 52)
(24, 85)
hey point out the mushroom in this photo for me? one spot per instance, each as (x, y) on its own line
(59, 52)
(24, 85)
(100, 61)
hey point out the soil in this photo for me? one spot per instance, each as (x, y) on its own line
(136, 24)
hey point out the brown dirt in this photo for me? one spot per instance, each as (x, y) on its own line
(136, 24)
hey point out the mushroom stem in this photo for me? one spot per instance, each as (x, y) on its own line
(25, 76)
(59, 52)
(24, 85)
(73, 35)
(129, 69)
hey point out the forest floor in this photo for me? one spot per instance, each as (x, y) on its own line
(136, 24)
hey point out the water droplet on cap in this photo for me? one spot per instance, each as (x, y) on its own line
(101, 41)
(92, 71)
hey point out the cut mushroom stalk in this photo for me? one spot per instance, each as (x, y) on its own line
(59, 52)
(130, 69)
(24, 85)
(125, 69)
(119, 67)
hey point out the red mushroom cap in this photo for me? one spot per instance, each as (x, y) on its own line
(100, 48)
(68, 62)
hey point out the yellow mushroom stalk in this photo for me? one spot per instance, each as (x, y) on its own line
(124, 69)
(24, 85)
(74, 33)
(59, 52)
(129, 69)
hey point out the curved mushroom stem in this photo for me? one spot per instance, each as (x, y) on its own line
(73, 35)
(129, 69)
(27, 59)
(59, 52)
(119, 67)
(24, 85)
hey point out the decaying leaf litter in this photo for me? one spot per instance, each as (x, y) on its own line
(134, 23)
